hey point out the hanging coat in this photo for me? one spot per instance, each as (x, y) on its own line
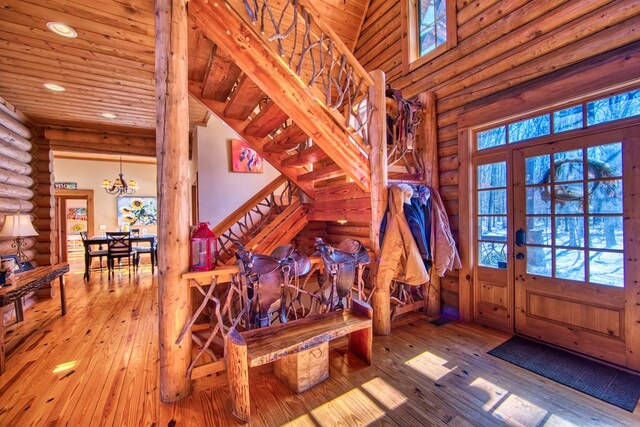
(423, 204)
(399, 258)
(443, 247)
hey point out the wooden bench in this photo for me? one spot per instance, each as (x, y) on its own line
(22, 284)
(299, 348)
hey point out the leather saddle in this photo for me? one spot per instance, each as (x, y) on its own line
(268, 278)
(341, 264)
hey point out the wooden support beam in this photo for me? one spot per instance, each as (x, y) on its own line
(270, 118)
(173, 190)
(267, 69)
(221, 76)
(379, 182)
(244, 99)
(88, 141)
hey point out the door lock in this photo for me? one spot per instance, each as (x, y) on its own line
(521, 237)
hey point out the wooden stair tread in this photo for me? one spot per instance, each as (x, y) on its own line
(244, 99)
(311, 154)
(268, 344)
(270, 118)
(286, 140)
(221, 76)
(330, 171)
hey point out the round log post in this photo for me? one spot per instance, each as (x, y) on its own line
(432, 179)
(172, 133)
(379, 182)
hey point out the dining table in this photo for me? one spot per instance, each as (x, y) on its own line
(104, 240)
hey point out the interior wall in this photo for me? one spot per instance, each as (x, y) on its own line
(501, 45)
(221, 191)
(89, 175)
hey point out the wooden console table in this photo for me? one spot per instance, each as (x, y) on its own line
(23, 284)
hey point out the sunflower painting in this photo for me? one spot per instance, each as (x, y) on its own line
(137, 210)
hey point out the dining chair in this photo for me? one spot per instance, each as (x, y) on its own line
(89, 254)
(152, 250)
(118, 247)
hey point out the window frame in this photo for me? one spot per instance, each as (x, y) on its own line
(411, 58)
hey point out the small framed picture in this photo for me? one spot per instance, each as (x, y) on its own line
(10, 262)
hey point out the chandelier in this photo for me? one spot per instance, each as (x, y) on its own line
(120, 186)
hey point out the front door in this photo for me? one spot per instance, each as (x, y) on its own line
(575, 244)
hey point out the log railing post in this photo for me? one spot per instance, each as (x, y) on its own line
(379, 183)
(432, 179)
(172, 133)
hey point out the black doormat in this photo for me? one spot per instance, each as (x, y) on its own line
(603, 382)
(440, 321)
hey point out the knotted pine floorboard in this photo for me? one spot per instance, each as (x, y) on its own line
(98, 366)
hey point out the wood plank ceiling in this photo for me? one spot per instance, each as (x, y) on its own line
(109, 67)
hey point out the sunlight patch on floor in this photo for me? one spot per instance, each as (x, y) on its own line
(511, 408)
(384, 393)
(430, 365)
(65, 366)
(351, 408)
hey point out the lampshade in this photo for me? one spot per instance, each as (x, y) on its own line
(18, 225)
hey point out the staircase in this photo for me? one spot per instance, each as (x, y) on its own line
(287, 85)
(269, 219)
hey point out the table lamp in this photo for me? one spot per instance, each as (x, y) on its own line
(18, 226)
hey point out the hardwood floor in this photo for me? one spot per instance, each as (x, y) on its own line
(98, 365)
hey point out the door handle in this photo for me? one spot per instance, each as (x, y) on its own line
(521, 237)
(519, 255)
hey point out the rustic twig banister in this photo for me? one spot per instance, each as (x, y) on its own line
(317, 58)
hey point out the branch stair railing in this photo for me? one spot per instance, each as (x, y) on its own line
(250, 219)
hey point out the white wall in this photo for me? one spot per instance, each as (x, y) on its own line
(89, 175)
(219, 190)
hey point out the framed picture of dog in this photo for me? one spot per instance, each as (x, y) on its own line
(245, 158)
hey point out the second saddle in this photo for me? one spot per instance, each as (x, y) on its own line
(341, 264)
(268, 278)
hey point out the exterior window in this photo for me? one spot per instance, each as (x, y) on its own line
(428, 30)
(432, 19)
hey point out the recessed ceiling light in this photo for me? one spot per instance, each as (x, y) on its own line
(109, 115)
(54, 87)
(62, 30)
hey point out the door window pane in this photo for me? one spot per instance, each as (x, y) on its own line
(492, 228)
(493, 254)
(570, 264)
(539, 261)
(605, 232)
(492, 138)
(606, 268)
(530, 128)
(538, 200)
(539, 230)
(605, 197)
(570, 118)
(492, 202)
(605, 160)
(492, 175)
(570, 231)
(537, 169)
(568, 166)
(569, 199)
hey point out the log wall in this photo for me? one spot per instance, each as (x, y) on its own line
(18, 187)
(500, 45)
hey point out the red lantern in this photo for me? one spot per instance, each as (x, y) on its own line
(204, 248)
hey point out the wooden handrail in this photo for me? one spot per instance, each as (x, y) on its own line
(239, 213)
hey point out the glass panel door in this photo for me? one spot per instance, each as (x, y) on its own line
(570, 240)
